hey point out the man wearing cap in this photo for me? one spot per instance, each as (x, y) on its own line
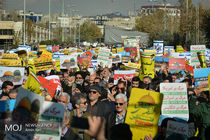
(95, 106)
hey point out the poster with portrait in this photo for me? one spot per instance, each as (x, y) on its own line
(159, 61)
(158, 46)
(116, 58)
(13, 74)
(143, 112)
(25, 115)
(84, 61)
(67, 61)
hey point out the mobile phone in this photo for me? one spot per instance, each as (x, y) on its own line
(81, 123)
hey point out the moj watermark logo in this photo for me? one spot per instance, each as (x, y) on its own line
(13, 127)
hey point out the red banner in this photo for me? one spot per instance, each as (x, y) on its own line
(49, 86)
(176, 63)
(85, 61)
(189, 69)
(87, 53)
(55, 48)
(131, 50)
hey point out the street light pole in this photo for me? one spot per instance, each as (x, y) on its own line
(197, 24)
(24, 30)
(187, 20)
(49, 21)
(153, 5)
(79, 32)
(165, 22)
(63, 17)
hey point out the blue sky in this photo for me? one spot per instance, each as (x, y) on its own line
(83, 7)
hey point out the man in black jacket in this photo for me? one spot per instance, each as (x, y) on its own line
(95, 106)
(118, 116)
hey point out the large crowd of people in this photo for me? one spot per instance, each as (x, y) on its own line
(94, 96)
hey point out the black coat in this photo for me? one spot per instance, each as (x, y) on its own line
(110, 121)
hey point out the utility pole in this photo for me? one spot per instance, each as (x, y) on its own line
(69, 16)
(153, 5)
(187, 20)
(49, 22)
(197, 25)
(165, 22)
(79, 31)
(75, 28)
(63, 21)
(134, 8)
(75, 25)
(24, 30)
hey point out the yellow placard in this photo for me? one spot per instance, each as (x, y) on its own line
(43, 64)
(114, 51)
(143, 112)
(71, 52)
(58, 66)
(10, 56)
(42, 47)
(150, 51)
(46, 54)
(31, 54)
(2, 62)
(120, 49)
(11, 62)
(134, 65)
(66, 51)
(179, 49)
(148, 65)
(31, 66)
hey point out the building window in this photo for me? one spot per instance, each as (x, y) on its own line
(6, 32)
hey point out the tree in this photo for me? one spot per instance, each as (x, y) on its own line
(90, 32)
(30, 32)
(205, 26)
(188, 22)
(16, 39)
(2, 3)
(154, 24)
